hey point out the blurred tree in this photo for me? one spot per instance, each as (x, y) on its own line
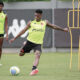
(33, 0)
(68, 0)
(23, 0)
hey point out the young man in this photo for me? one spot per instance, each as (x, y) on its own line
(35, 38)
(3, 20)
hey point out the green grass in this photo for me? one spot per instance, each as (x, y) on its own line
(53, 66)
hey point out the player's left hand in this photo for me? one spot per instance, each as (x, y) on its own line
(66, 30)
(12, 40)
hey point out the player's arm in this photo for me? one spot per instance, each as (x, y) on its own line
(56, 27)
(6, 27)
(22, 32)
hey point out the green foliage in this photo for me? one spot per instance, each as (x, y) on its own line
(22, 0)
(33, 0)
(68, 0)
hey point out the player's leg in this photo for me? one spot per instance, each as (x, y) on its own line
(1, 42)
(38, 51)
(35, 63)
(22, 53)
(37, 57)
(26, 48)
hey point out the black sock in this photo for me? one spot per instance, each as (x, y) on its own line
(34, 67)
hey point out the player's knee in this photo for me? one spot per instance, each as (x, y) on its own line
(37, 53)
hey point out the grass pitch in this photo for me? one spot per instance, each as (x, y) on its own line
(53, 66)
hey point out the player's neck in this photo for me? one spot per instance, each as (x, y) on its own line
(38, 20)
(0, 11)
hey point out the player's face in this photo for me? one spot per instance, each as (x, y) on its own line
(1, 7)
(38, 16)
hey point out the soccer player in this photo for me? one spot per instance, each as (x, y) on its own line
(3, 20)
(35, 38)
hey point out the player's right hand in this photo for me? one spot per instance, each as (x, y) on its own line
(10, 41)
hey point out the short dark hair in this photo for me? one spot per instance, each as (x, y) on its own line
(39, 11)
(1, 3)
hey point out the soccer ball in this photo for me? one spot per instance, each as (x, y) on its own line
(14, 70)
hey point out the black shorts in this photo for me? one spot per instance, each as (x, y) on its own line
(30, 46)
(1, 35)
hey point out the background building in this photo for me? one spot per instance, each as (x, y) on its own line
(19, 13)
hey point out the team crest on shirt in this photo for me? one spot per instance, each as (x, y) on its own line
(2, 16)
(42, 24)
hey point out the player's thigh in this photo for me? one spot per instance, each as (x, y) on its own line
(38, 49)
(1, 41)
